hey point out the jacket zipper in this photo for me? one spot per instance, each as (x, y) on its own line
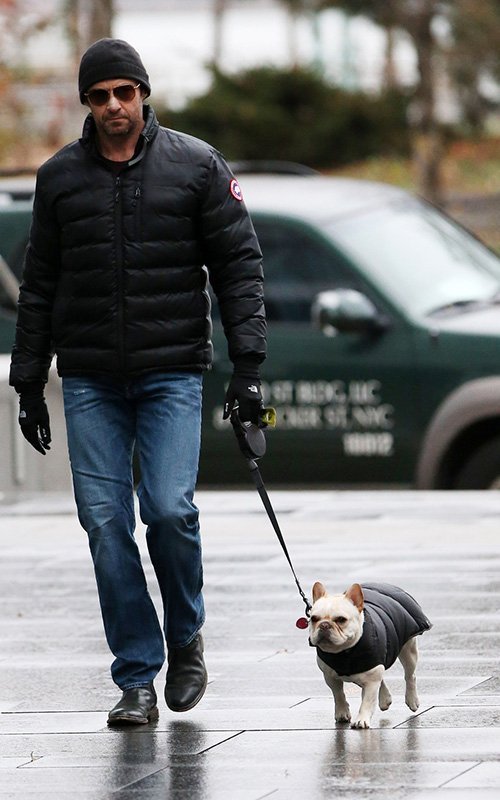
(119, 273)
(137, 212)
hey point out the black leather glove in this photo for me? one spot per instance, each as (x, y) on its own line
(244, 390)
(34, 416)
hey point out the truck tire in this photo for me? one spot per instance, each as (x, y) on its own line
(482, 469)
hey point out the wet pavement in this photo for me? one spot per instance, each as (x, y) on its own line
(265, 727)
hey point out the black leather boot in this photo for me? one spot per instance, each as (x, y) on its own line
(137, 707)
(186, 676)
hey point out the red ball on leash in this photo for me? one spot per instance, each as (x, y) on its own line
(302, 622)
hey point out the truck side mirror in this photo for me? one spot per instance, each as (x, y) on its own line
(346, 311)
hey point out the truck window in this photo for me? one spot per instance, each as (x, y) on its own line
(297, 266)
(421, 257)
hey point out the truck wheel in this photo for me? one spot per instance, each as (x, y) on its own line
(482, 470)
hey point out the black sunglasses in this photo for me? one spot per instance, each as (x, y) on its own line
(124, 93)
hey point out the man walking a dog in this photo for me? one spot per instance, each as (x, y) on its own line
(127, 222)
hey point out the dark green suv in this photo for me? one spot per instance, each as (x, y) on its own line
(384, 342)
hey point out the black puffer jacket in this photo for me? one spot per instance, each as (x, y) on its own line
(391, 618)
(114, 279)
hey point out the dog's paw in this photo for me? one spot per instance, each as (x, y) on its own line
(360, 723)
(343, 716)
(384, 699)
(412, 701)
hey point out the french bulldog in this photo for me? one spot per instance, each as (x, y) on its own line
(358, 635)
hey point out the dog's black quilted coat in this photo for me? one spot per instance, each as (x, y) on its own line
(392, 617)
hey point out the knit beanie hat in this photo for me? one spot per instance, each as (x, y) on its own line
(108, 59)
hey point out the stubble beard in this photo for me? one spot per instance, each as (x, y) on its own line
(120, 126)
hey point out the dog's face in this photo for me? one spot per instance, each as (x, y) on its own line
(336, 621)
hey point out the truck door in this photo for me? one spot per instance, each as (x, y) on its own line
(344, 400)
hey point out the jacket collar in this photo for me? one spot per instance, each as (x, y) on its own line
(148, 133)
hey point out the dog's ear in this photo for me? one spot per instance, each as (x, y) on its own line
(355, 595)
(318, 591)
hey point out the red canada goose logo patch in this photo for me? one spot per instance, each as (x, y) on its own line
(235, 189)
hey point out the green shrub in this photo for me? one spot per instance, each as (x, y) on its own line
(293, 115)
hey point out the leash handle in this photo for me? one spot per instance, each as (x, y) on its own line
(259, 484)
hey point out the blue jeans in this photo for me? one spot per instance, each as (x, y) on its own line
(159, 414)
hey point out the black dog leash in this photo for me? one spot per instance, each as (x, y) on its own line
(252, 444)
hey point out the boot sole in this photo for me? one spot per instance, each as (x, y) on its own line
(126, 720)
